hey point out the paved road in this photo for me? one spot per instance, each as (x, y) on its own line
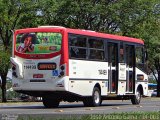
(37, 109)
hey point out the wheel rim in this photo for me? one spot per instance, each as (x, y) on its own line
(138, 95)
(96, 97)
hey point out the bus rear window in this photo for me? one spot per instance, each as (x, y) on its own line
(38, 43)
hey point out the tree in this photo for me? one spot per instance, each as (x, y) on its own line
(12, 15)
(92, 14)
(4, 65)
(141, 19)
(134, 18)
(153, 45)
(146, 25)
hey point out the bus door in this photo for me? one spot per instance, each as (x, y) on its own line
(112, 67)
(121, 71)
(130, 68)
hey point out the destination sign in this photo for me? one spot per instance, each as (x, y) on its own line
(46, 66)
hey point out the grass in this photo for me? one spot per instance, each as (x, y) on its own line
(113, 116)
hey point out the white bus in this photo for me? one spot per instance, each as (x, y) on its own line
(63, 64)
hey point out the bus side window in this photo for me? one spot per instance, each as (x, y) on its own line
(77, 47)
(74, 51)
(96, 49)
(72, 43)
(140, 62)
(139, 55)
(121, 53)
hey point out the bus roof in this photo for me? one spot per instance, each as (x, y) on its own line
(105, 35)
(92, 33)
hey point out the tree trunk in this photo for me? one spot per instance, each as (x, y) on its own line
(158, 84)
(3, 87)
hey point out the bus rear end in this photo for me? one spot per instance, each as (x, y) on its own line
(38, 61)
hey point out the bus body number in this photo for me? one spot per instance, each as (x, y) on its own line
(30, 67)
(102, 72)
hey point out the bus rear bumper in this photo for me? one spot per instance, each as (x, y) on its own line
(50, 85)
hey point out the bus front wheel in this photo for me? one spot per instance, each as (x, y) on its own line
(94, 100)
(136, 99)
(50, 102)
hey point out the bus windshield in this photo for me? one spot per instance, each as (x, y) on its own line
(38, 42)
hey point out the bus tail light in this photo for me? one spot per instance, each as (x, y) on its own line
(14, 70)
(62, 71)
(13, 67)
(14, 74)
(62, 67)
(17, 68)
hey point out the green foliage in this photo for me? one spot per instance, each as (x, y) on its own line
(106, 16)
(15, 13)
(4, 62)
(152, 81)
(135, 18)
(10, 95)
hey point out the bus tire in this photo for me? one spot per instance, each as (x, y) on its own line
(94, 100)
(49, 102)
(136, 99)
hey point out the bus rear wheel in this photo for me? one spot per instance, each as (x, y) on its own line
(136, 99)
(94, 100)
(50, 102)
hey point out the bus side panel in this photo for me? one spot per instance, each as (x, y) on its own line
(84, 75)
(143, 82)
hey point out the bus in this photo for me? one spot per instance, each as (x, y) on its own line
(64, 64)
(151, 88)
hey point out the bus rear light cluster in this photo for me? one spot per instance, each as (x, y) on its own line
(14, 74)
(62, 67)
(14, 70)
(62, 71)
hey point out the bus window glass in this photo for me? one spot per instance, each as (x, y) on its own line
(98, 44)
(112, 54)
(130, 55)
(78, 41)
(38, 43)
(121, 53)
(78, 52)
(96, 54)
(96, 49)
(78, 46)
(139, 55)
